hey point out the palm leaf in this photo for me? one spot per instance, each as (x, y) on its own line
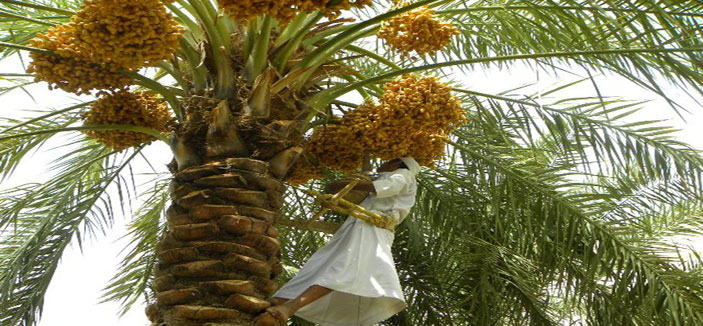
(136, 269)
(44, 218)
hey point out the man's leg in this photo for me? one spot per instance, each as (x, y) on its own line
(285, 310)
(278, 301)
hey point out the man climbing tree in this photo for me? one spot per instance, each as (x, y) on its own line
(352, 280)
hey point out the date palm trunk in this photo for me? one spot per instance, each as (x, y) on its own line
(220, 254)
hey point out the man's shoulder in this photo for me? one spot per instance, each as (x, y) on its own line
(404, 172)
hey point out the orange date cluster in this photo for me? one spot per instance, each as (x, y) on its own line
(413, 118)
(303, 171)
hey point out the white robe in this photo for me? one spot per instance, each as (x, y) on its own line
(357, 263)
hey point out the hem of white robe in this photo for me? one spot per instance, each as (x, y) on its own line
(373, 320)
(370, 321)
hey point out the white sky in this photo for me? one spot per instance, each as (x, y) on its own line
(73, 296)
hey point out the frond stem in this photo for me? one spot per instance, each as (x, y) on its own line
(324, 98)
(15, 75)
(373, 56)
(49, 115)
(40, 7)
(291, 45)
(4, 13)
(575, 8)
(25, 48)
(144, 130)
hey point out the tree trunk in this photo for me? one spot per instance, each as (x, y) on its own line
(220, 254)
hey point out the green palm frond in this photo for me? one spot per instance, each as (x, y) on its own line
(427, 279)
(507, 28)
(40, 220)
(13, 150)
(588, 131)
(564, 223)
(136, 269)
(23, 20)
(16, 82)
(606, 54)
(630, 38)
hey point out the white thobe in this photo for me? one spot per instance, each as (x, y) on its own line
(357, 263)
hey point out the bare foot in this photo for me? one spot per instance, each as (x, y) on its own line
(266, 319)
(281, 312)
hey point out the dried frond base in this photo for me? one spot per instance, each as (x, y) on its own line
(217, 265)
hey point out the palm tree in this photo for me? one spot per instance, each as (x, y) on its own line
(534, 214)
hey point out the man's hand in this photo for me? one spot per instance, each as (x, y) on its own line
(336, 186)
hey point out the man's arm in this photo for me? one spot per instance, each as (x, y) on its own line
(336, 186)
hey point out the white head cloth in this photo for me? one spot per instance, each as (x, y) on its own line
(411, 164)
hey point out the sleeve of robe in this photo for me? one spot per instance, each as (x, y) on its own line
(392, 185)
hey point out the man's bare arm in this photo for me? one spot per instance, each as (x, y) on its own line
(336, 186)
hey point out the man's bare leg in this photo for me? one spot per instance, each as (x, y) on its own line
(286, 309)
(278, 301)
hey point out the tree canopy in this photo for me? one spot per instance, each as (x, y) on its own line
(543, 209)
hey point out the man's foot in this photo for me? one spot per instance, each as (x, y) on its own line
(266, 319)
(281, 312)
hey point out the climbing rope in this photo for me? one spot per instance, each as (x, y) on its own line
(337, 203)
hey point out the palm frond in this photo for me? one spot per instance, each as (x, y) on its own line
(590, 130)
(23, 20)
(14, 149)
(622, 37)
(569, 232)
(136, 269)
(40, 220)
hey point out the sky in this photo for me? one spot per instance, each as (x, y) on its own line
(73, 297)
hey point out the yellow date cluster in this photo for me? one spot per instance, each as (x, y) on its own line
(126, 108)
(285, 10)
(426, 103)
(302, 172)
(104, 37)
(66, 69)
(128, 33)
(414, 118)
(336, 147)
(417, 30)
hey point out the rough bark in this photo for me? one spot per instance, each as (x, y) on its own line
(220, 254)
